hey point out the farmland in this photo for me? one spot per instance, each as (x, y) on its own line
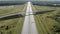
(47, 23)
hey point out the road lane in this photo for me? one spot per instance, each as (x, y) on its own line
(29, 26)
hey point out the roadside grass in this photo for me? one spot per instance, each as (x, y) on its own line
(44, 24)
(40, 27)
(18, 27)
(12, 26)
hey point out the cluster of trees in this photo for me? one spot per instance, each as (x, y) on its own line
(46, 3)
(3, 3)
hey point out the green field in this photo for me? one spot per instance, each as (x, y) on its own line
(12, 26)
(46, 23)
(13, 9)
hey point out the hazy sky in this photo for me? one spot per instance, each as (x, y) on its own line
(30, 0)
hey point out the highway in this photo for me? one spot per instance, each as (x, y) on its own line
(29, 26)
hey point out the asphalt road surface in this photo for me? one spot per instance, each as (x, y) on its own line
(29, 26)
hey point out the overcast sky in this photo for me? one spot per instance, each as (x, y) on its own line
(29, 0)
